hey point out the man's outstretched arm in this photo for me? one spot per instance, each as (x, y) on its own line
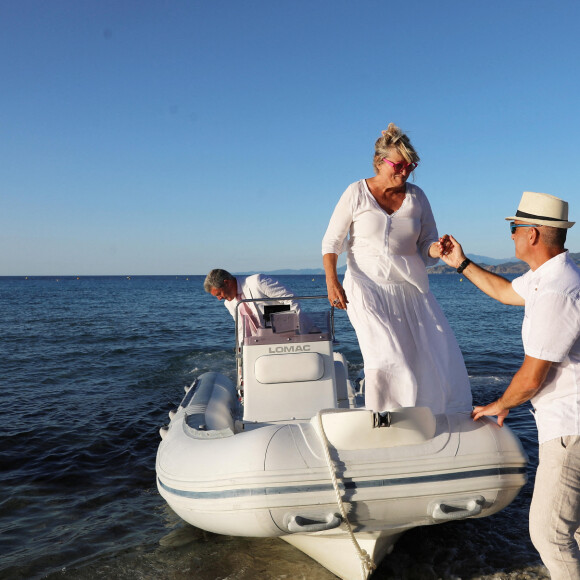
(493, 285)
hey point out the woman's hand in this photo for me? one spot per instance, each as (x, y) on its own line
(441, 247)
(336, 294)
(445, 245)
(450, 251)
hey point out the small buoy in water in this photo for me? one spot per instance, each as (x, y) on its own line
(461, 279)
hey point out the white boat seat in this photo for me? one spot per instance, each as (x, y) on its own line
(288, 379)
(355, 430)
(289, 368)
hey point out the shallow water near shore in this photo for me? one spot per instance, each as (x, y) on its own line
(90, 368)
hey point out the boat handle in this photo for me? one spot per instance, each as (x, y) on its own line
(300, 524)
(459, 509)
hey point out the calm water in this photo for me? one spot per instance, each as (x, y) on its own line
(89, 369)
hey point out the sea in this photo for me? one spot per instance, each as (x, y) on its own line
(90, 368)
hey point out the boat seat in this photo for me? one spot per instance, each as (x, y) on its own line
(289, 379)
(358, 429)
(289, 368)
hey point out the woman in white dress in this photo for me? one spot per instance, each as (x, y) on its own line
(386, 226)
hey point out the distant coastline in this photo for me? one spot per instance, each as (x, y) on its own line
(507, 266)
(516, 267)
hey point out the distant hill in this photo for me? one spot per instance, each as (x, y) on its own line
(303, 272)
(342, 269)
(516, 267)
(497, 265)
(288, 272)
(507, 268)
(490, 261)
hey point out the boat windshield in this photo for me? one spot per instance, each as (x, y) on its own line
(284, 326)
(269, 322)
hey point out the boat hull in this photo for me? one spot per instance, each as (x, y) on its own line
(310, 482)
(337, 553)
(260, 481)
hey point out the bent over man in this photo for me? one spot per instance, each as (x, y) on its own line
(221, 284)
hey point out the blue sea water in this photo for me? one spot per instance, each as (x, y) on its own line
(90, 367)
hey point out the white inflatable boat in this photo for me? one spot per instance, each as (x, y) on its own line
(291, 452)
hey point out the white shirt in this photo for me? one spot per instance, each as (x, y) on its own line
(381, 247)
(551, 331)
(258, 286)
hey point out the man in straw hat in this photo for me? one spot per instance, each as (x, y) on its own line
(550, 373)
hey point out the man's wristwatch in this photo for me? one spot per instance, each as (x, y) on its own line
(463, 265)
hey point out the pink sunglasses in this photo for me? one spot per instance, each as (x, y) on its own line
(400, 167)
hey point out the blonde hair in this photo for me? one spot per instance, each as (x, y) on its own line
(394, 138)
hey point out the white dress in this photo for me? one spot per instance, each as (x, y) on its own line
(411, 357)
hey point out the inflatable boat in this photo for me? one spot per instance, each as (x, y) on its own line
(290, 451)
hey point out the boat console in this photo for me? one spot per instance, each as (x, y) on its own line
(288, 366)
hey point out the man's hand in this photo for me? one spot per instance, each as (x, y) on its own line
(525, 384)
(450, 251)
(493, 409)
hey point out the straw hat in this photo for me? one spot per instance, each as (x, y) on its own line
(542, 209)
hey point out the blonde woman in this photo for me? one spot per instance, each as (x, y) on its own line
(386, 226)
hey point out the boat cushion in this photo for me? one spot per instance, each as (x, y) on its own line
(289, 368)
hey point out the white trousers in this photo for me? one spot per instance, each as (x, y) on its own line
(555, 507)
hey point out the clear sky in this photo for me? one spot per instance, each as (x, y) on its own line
(172, 137)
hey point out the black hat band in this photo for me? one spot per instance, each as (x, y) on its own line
(523, 214)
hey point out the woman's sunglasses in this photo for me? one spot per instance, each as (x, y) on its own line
(400, 167)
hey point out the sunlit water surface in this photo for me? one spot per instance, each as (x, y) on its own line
(89, 369)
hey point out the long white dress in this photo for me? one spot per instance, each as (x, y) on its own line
(411, 357)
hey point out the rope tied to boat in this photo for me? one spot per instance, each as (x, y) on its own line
(367, 563)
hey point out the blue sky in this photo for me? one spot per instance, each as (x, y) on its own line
(171, 137)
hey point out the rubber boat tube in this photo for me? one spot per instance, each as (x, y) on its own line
(282, 464)
(272, 479)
